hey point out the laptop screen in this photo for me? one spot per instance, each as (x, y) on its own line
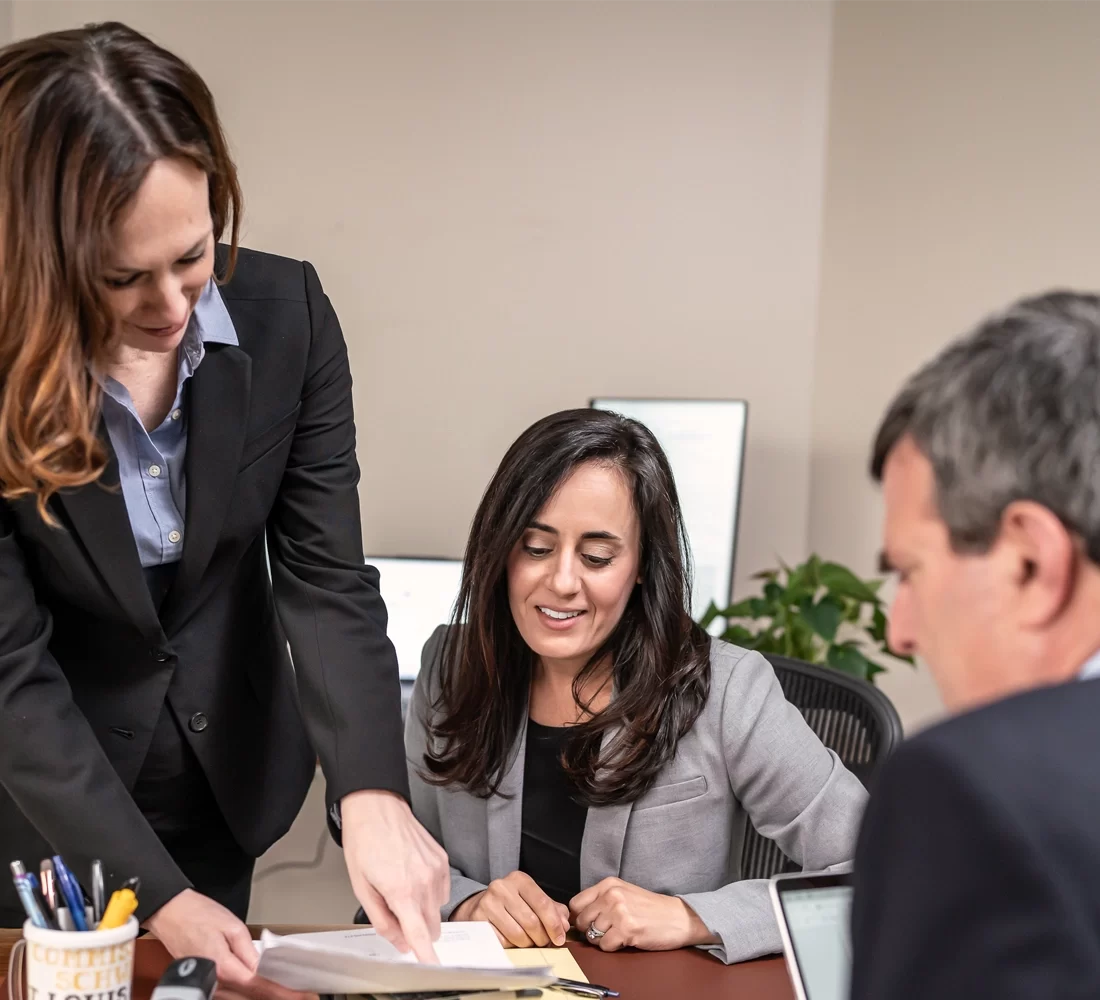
(817, 920)
(420, 595)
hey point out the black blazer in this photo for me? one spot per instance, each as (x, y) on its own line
(86, 662)
(978, 867)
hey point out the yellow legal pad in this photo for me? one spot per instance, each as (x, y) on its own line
(560, 960)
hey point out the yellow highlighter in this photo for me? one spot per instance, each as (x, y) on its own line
(122, 905)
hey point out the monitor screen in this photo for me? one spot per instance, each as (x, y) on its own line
(420, 595)
(704, 440)
(817, 920)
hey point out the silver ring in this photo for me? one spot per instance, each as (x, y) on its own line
(594, 933)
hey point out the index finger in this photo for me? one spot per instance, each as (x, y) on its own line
(415, 928)
(430, 912)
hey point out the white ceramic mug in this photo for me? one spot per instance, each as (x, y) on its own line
(73, 965)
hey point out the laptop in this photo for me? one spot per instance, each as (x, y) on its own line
(813, 910)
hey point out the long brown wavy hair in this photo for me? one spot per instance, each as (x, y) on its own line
(84, 114)
(660, 659)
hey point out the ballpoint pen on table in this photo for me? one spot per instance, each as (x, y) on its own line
(98, 897)
(70, 892)
(584, 989)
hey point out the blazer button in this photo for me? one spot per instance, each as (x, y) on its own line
(198, 722)
(161, 656)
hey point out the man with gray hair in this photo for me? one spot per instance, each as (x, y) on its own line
(978, 867)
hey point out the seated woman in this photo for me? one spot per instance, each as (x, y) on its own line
(584, 752)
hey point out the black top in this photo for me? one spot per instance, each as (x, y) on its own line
(553, 821)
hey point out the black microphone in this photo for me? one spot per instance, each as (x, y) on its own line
(187, 979)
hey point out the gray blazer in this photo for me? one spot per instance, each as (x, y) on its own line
(749, 756)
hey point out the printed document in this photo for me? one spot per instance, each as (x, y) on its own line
(362, 961)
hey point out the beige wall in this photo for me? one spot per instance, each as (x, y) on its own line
(5, 21)
(518, 206)
(963, 147)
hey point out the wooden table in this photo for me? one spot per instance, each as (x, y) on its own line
(637, 975)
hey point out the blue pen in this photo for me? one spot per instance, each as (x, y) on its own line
(43, 903)
(70, 889)
(29, 901)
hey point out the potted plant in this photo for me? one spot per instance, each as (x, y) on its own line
(820, 612)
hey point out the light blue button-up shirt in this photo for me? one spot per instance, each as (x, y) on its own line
(151, 463)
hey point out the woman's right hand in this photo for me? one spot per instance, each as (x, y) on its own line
(521, 913)
(194, 925)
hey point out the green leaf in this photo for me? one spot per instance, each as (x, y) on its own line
(797, 595)
(799, 577)
(751, 607)
(877, 630)
(823, 617)
(800, 585)
(709, 615)
(773, 592)
(813, 571)
(739, 636)
(802, 642)
(765, 574)
(846, 658)
(767, 642)
(842, 582)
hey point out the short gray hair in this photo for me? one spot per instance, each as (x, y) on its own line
(1010, 412)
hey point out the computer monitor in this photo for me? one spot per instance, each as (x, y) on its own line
(420, 595)
(704, 440)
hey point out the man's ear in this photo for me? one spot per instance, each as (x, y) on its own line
(1042, 556)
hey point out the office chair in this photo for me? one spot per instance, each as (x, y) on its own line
(850, 716)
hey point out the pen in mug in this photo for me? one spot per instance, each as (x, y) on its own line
(49, 887)
(27, 896)
(70, 892)
(40, 898)
(120, 908)
(98, 892)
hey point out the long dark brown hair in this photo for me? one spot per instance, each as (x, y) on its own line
(659, 657)
(84, 114)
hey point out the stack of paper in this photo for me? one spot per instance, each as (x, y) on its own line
(361, 961)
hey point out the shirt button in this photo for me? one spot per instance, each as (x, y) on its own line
(198, 722)
(174, 537)
(154, 471)
(176, 414)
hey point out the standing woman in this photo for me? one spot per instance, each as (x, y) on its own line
(170, 410)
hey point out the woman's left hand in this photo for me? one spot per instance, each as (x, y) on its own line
(632, 917)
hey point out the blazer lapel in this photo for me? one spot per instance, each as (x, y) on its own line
(505, 813)
(217, 418)
(99, 517)
(604, 835)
